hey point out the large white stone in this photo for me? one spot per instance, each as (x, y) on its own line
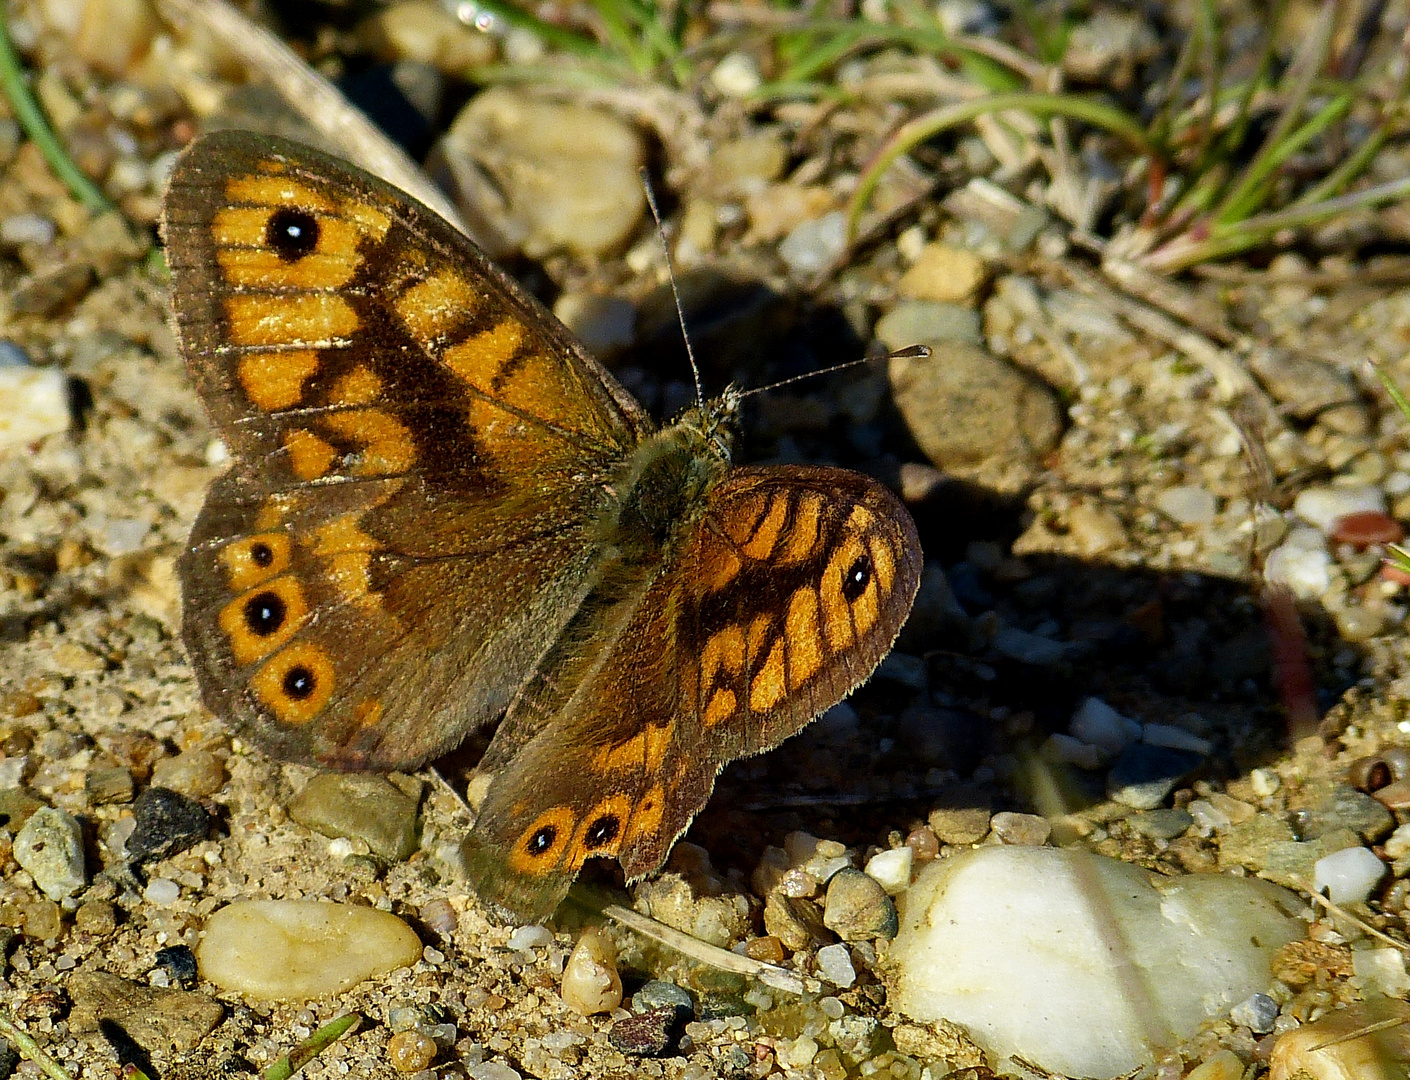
(34, 402)
(1079, 963)
(296, 950)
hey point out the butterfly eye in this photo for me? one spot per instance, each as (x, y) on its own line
(292, 233)
(857, 578)
(261, 554)
(602, 831)
(265, 613)
(299, 682)
(541, 842)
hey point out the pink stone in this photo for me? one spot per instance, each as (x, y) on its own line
(1367, 527)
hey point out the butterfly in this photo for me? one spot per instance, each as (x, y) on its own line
(442, 512)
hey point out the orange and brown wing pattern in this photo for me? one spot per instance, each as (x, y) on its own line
(406, 425)
(785, 596)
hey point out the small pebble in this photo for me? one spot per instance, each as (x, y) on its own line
(96, 917)
(1144, 775)
(1257, 1012)
(858, 908)
(767, 949)
(892, 869)
(1175, 738)
(1380, 972)
(494, 1070)
(179, 962)
(1302, 564)
(1027, 829)
(1367, 527)
(1328, 1049)
(648, 1034)
(1265, 782)
(411, 1051)
(1397, 844)
(924, 843)
(531, 937)
(1222, 1065)
(1164, 823)
(27, 229)
(1097, 723)
(360, 806)
(440, 916)
(1324, 506)
(161, 891)
(591, 984)
(166, 822)
(835, 965)
(963, 825)
(814, 245)
(1187, 505)
(42, 920)
(1349, 875)
(196, 773)
(736, 75)
(659, 994)
(50, 847)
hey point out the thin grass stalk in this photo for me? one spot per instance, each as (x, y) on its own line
(1162, 124)
(1252, 190)
(31, 1050)
(1209, 30)
(1309, 61)
(930, 124)
(1238, 131)
(985, 61)
(311, 1047)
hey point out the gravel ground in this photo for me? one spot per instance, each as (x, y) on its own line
(1090, 521)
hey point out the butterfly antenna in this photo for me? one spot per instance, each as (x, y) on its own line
(910, 352)
(671, 274)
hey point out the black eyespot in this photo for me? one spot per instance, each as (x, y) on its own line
(265, 613)
(542, 841)
(261, 554)
(602, 831)
(299, 682)
(292, 233)
(857, 578)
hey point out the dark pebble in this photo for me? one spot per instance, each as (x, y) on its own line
(179, 962)
(648, 1034)
(167, 823)
(659, 994)
(720, 1005)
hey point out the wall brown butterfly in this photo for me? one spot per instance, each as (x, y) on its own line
(442, 512)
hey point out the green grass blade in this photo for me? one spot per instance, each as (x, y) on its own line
(310, 1048)
(32, 120)
(570, 41)
(30, 1050)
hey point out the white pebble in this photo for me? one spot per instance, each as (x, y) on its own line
(892, 869)
(531, 937)
(494, 1070)
(1175, 738)
(34, 402)
(835, 965)
(1006, 941)
(1187, 504)
(798, 1053)
(1302, 567)
(1398, 843)
(591, 984)
(1322, 506)
(1380, 972)
(1265, 782)
(27, 229)
(814, 245)
(736, 75)
(1349, 875)
(161, 891)
(297, 950)
(1098, 724)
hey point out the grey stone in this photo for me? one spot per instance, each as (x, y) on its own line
(857, 907)
(929, 322)
(1343, 807)
(50, 847)
(359, 806)
(167, 823)
(156, 1019)
(1257, 1012)
(659, 994)
(17, 805)
(1292, 863)
(1163, 823)
(1248, 843)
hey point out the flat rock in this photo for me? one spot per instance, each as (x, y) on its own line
(156, 1019)
(359, 806)
(1007, 942)
(50, 847)
(296, 950)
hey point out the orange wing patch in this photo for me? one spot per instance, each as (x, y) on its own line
(387, 446)
(435, 306)
(255, 559)
(309, 456)
(314, 320)
(296, 684)
(275, 380)
(260, 621)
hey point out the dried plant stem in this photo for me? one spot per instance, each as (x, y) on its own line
(769, 974)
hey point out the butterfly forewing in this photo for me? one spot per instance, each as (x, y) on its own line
(406, 425)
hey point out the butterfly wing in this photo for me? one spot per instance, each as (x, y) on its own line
(419, 451)
(785, 597)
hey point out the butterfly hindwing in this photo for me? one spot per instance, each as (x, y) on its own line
(785, 596)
